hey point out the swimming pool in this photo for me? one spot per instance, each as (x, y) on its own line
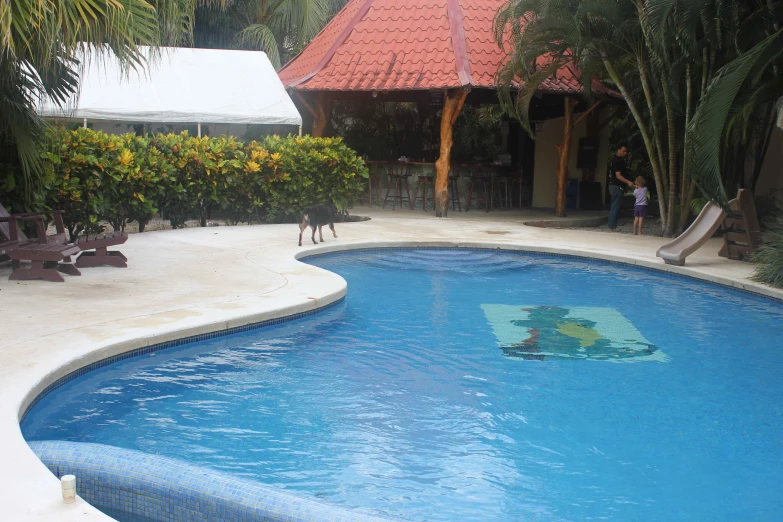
(472, 385)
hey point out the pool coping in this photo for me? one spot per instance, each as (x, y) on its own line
(685, 271)
(335, 293)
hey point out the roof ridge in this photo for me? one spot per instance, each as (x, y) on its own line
(337, 43)
(457, 31)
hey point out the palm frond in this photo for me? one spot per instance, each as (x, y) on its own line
(259, 36)
(42, 43)
(710, 119)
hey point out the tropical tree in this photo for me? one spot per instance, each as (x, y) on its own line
(278, 27)
(698, 76)
(42, 45)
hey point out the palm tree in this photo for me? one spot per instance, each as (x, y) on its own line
(698, 78)
(41, 44)
(278, 27)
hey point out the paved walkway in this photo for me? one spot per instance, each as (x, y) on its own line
(185, 282)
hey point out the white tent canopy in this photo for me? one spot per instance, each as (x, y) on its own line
(182, 85)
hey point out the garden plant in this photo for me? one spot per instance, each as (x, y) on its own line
(99, 178)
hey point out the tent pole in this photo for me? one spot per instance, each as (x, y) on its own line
(84, 123)
(300, 131)
(199, 129)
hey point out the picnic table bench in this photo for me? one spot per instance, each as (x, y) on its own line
(46, 259)
(95, 250)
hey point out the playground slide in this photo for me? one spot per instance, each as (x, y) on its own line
(691, 240)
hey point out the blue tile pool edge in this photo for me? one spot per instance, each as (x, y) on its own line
(138, 484)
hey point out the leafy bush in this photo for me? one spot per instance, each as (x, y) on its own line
(74, 177)
(203, 165)
(13, 193)
(173, 201)
(247, 188)
(769, 258)
(311, 170)
(96, 177)
(134, 182)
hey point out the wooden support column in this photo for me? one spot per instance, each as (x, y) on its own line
(452, 105)
(322, 115)
(564, 150)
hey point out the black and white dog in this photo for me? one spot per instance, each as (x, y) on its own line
(317, 216)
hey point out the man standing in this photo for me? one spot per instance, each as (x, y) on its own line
(617, 179)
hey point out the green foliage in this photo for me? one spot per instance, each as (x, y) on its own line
(249, 185)
(769, 207)
(312, 170)
(710, 120)
(697, 205)
(385, 130)
(698, 77)
(202, 167)
(74, 177)
(281, 28)
(769, 258)
(97, 177)
(42, 47)
(478, 136)
(388, 130)
(134, 179)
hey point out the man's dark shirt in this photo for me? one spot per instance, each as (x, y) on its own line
(618, 165)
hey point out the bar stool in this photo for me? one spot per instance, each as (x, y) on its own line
(398, 176)
(373, 184)
(426, 183)
(501, 186)
(454, 187)
(480, 176)
(521, 186)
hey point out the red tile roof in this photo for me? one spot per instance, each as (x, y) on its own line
(386, 45)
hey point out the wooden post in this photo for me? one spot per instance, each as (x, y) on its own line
(452, 105)
(322, 115)
(564, 150)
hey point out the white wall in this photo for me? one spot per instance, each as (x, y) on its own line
(545, 180)
(545, 172)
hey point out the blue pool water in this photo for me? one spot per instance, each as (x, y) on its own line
(473, 385)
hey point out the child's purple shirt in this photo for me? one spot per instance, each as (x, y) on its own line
(641, 196)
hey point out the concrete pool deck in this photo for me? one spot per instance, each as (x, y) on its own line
(192, 281)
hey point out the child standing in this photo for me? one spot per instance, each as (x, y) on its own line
(640, 208)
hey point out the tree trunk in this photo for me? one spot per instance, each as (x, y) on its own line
(203, 212)
(663, 187)
(564, 150)
(73, 232)
(687, 189)
(643, 129)
(452, 105)
(670, 124)
(323, 112)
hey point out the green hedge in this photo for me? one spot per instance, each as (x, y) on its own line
(96, 177)
(769, 258)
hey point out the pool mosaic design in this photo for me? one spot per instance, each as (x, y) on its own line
(540, 332)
